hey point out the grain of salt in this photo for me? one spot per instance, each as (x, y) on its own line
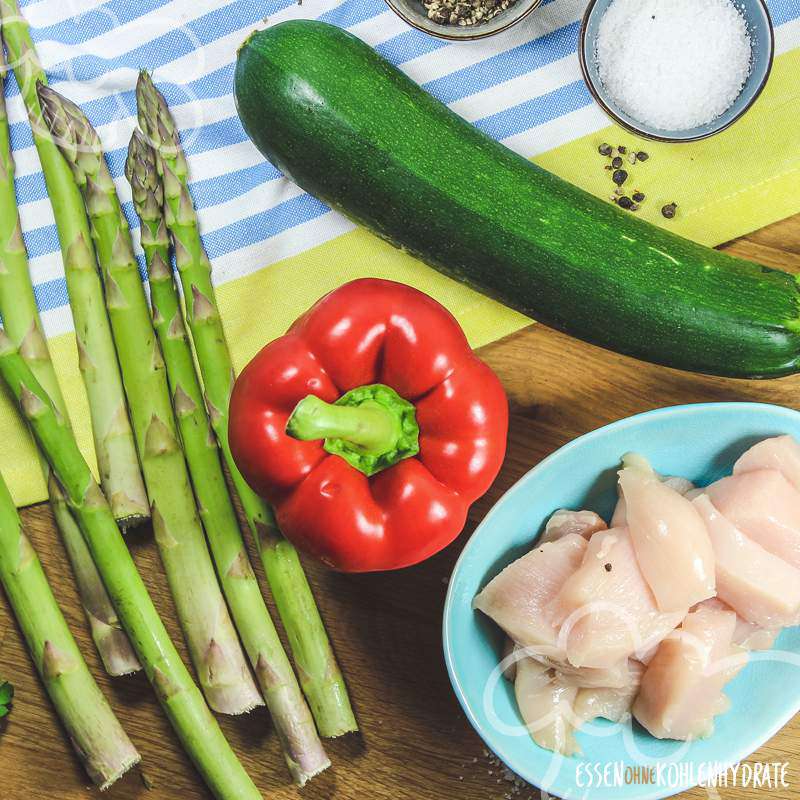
(673, 64)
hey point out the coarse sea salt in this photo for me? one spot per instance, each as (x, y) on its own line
(673, 64)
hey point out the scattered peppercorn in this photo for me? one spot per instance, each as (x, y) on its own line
(619, 177)
(642, 156)
(625, 202)
(638, 197)
(616, 162)
(605, 149)
(608, 567)
(622, 149)
(670, 210)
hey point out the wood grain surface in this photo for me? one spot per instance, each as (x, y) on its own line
(415, 742)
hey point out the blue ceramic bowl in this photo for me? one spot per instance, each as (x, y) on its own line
(700, 442)
(762, 36)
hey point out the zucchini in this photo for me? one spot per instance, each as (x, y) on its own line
(354, 131)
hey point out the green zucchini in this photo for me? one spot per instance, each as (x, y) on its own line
(354, 131)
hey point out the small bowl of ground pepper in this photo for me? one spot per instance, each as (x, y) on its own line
(462, 19)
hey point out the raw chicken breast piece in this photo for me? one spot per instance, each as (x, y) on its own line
(634, 460)
(545, 704)
(564, 521)
(681, 689)
(780, 452)
(605, 610)
(516, 598)
(670, 540)
(611, 704)
(759, 586)
(746, 634)
(764, 506)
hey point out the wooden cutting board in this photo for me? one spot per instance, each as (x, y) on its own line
(415, 742)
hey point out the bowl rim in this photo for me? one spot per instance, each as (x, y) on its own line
(641, 131)
(657, 793)
(470, 37)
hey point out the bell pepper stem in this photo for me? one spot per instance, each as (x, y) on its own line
(370, 427)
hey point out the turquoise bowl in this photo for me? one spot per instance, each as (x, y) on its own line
(762, 37)
(700, 442)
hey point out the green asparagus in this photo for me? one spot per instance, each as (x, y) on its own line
(22, 324)
(210, 636)
(181, 699)
(98, 738)
(319, 671)
(113, 438)
(294, 724)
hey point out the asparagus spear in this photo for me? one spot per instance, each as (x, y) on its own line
(213, 645)
(294, 724)
(179, 696)
(22, 323)
(99, 740)
(319, 671)
(113, 438)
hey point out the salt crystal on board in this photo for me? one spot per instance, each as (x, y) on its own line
(673, 64)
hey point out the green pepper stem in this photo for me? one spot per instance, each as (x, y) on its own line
(370, 427)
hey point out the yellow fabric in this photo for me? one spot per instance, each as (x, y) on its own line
(726, 186)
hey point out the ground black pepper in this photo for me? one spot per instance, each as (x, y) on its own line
(465, 12)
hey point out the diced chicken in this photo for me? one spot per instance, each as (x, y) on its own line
(780, 452)
(516, 598)
(605, 610)
(564, 521)
(764, 506)
(681, 689)
(611, 704)
(746, 634)
(682, 486)
(670, 540)
(760, 587)
(545, 703)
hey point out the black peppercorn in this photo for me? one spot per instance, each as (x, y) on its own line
(619, 177)
(670, 210)
(604, 149)
(622, 149)
(616, 162)
(638, 197)
(642, 156)
(625, 202)
(608, 567)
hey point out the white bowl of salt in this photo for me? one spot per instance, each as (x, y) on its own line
(676, 70)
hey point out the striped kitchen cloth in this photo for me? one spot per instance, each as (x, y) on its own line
(276, 249)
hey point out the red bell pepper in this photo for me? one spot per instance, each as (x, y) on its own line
(370, 426)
